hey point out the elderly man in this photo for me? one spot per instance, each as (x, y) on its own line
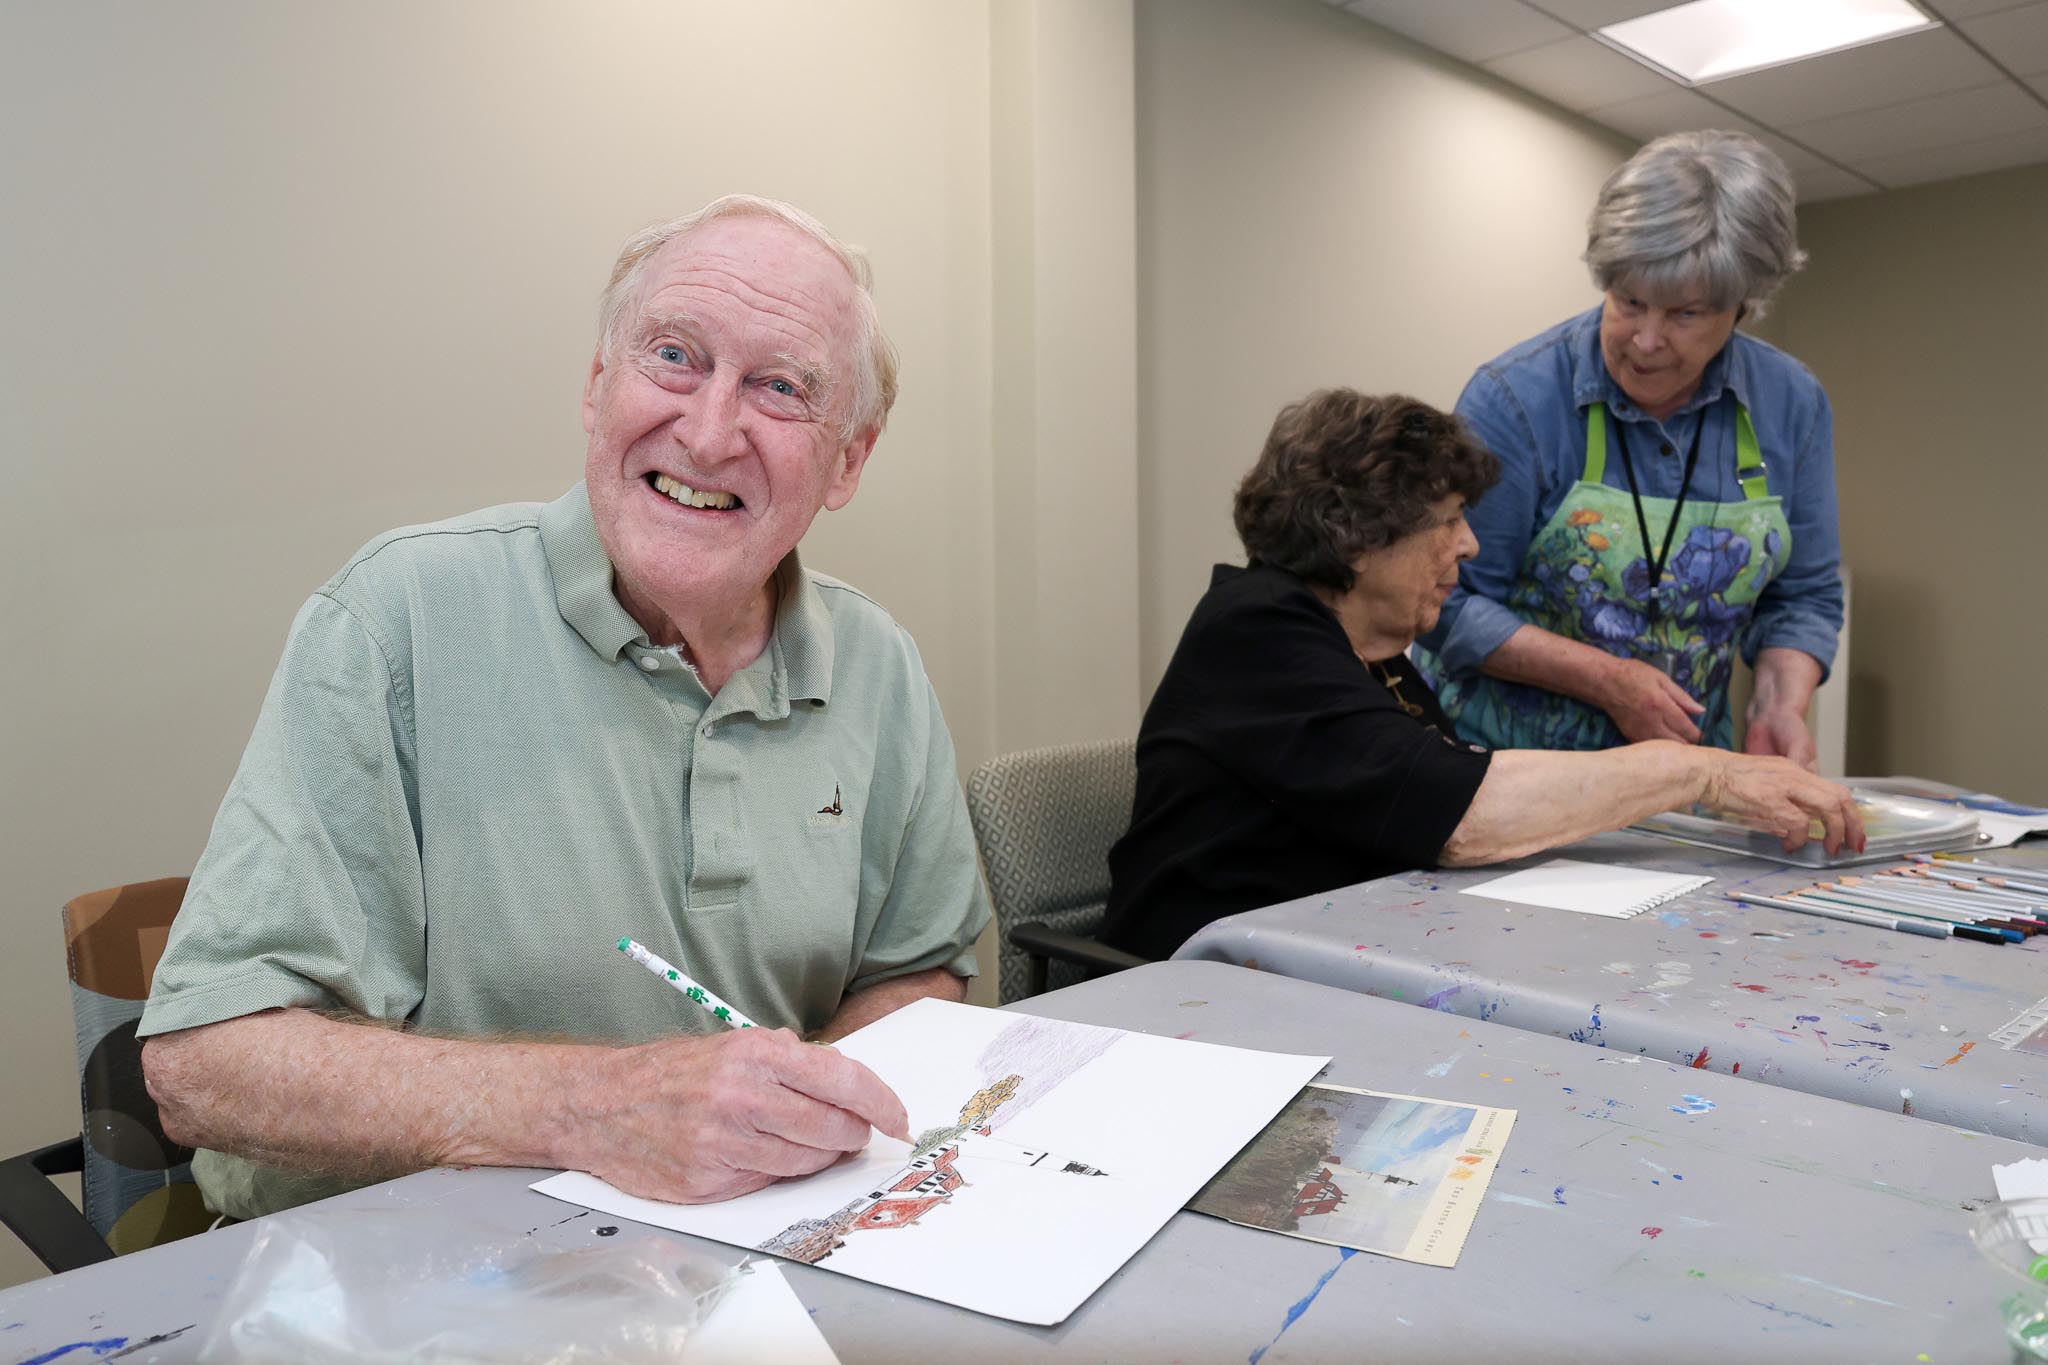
(496, 744)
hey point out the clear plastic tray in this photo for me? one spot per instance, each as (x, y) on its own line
(1893, 827)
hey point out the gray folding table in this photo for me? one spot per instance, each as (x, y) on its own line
(1641, 1211)
(1875, 1017)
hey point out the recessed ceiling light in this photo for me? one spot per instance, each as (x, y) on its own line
(1709, 40)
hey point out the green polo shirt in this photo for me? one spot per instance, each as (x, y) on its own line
(472, 775)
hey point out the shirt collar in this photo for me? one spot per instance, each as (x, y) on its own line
(583, 576)
(796, 664)
(1591, 383)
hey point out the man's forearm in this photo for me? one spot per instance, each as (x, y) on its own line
(299, 1090)
(864, 1007)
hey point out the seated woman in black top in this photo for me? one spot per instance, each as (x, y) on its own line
(1291, 748)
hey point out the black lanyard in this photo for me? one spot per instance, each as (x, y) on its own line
(1692, 459)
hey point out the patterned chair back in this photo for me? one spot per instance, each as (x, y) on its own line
(1045, 820)
(137, 1182)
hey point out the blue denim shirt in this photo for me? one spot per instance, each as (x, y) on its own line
(1528, 406)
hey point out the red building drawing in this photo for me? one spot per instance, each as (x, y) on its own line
(1319, 1195)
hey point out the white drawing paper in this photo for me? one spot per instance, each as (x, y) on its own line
(1609, 889)
(1047, 1154)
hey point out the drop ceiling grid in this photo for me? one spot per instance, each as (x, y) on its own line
(1865, 118)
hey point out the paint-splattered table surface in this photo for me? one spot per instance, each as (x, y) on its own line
(1641, 1211)
(1871, 1016)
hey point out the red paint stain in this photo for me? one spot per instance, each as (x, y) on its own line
(1185, 1036)
(1961, 1053)
(1708, 933)
(1760, 990)
(1699, 1063)
(1651, 1233)
(1852, 962)
(1735, 1070)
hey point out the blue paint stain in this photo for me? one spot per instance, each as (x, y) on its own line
(1674, 919)
(1492, 1007)
(1557, 1195)
(1692, 1104)
(1676, 1176)
(1436, 1002)
(1807, 1018)
(1589, 1034)
(1568, 1090)
(1792, 1313)
(1293, 1314)
(98, 1348)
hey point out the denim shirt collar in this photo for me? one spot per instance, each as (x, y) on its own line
(1727, 372)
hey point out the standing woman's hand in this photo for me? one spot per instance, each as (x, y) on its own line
(1645, 703)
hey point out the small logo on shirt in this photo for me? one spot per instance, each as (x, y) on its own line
(828, 816)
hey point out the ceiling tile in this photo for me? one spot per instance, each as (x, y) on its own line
(1826, 182)
(2017, 38)
(1889, 72)
(1798, 158)
(1683, 111)
(1966, 9)
(1944, 163)
(1579, 73)
(1939, 121)
(1674, 110)
(1595, 13)
(1470, 30)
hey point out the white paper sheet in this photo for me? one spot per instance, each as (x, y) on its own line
(1030, 1192)
(760, 1318)
(1609, 889)
(2026, 1179)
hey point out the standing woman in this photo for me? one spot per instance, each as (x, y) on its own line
(1667, 493)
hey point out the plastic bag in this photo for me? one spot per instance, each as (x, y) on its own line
(412, 1285)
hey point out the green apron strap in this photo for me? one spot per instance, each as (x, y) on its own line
(1596, 442)
(1749, 457)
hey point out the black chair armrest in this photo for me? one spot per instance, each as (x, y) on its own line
(36, 1211)
(1045, 944)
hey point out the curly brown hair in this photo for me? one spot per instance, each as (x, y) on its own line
(1344, 473)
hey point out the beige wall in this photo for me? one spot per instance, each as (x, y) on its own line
(1321, 202)
(1925, 313)
(283, 277)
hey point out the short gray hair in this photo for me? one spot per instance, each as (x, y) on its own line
(874, 378)
(1710, 212)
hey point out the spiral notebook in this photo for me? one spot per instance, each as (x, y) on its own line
(1610, 889)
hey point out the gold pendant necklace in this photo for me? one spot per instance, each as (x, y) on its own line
(1393, 686)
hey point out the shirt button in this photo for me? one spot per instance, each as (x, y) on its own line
(1665, 449)
(649, 662)
(707, 732)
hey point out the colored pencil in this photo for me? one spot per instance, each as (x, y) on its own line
(718, 1009)
(1975, 895)
(1987, 874)
(2021, 879)
(1925, 928)
(1985, 931)
(1964, 903)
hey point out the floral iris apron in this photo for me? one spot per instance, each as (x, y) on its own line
(1586, 577)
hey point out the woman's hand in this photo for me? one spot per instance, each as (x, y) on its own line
(1646, 704)
(1778, 795)
(1782, 733)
